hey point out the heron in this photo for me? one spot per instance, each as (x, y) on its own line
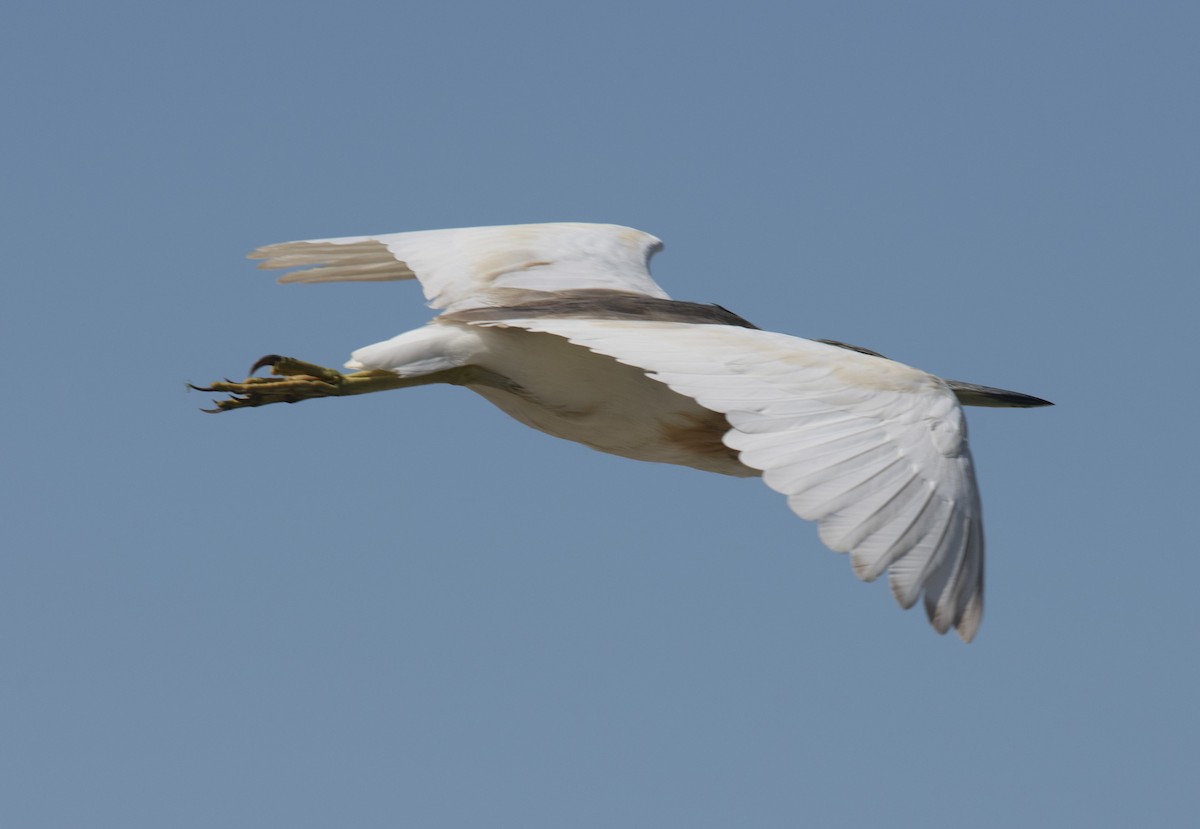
(562, 327)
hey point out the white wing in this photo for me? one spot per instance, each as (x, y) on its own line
(479, 266)
(873, 450)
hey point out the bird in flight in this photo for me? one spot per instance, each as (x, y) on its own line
(562, 327)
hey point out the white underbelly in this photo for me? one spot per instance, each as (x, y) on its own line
(569, 392)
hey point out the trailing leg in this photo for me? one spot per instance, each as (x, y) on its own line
(295, 380)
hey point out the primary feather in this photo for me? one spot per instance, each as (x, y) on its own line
(478, 266)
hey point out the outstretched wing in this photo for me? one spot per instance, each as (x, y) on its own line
(472, 267)
(873, 450)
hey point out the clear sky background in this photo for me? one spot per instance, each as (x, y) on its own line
(409, 610)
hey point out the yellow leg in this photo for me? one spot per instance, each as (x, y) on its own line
(295, 380)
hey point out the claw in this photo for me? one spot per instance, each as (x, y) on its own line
(291, 381)
(219, 408)
(263, 362)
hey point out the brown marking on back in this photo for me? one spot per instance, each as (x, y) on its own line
(700, 434)
(596, 303)
(860, 349)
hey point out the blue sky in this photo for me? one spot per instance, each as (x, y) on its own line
(408, 610)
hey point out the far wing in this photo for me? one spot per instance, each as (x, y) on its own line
(479, 266)
(873, 450)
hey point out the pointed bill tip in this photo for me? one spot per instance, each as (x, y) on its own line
(972, 394)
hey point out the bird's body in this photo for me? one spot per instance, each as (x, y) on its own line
(561, 327)
(555, 387)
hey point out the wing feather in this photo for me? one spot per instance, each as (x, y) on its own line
(872, 450)
(474, 267)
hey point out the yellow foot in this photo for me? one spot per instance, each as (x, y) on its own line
(296, 380)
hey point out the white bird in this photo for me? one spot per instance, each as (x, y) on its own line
(562, 327)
